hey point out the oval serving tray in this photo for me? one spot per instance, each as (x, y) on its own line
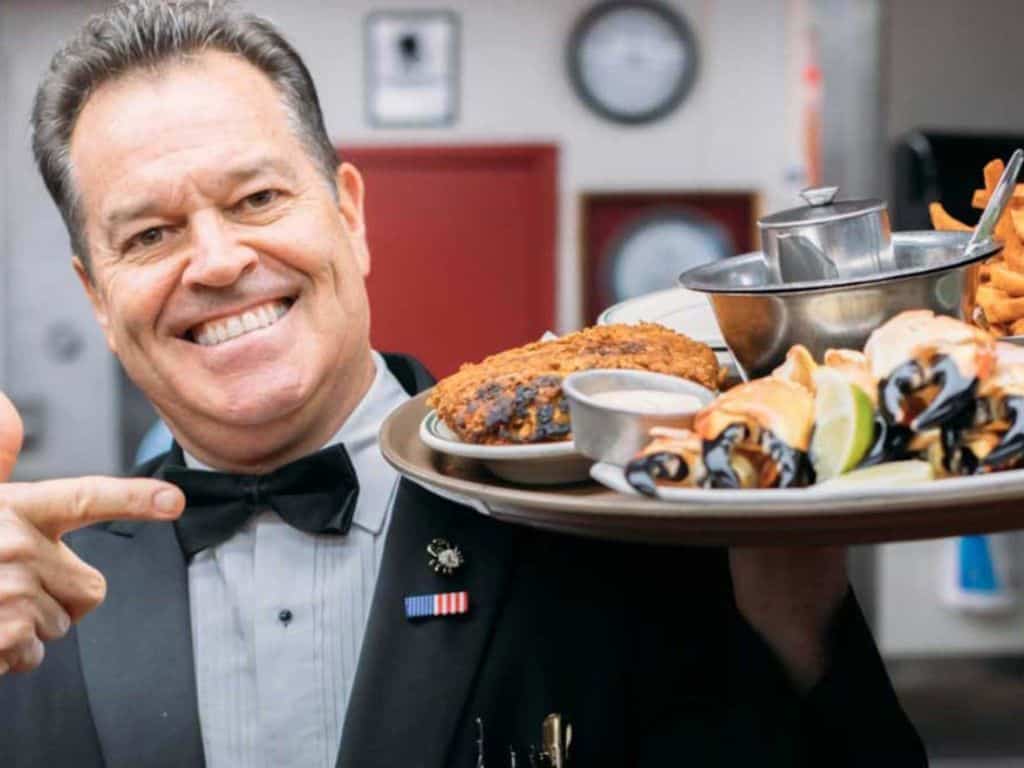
(945, 508)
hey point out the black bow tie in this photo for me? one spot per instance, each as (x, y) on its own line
(316, 494)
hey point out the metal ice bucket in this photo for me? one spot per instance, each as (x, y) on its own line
(828, 239)
(761, 317)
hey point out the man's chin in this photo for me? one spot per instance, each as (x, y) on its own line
(245, 411)
(257, 412)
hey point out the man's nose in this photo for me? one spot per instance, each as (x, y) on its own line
(217, 259)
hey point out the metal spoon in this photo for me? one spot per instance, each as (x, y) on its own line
(996, 203)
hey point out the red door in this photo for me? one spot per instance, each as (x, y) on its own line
(462, 242)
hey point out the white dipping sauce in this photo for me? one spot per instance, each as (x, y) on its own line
(647, 401)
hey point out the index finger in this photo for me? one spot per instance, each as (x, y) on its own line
(55, 507)
(11, 432)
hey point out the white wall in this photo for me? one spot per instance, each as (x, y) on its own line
(731, 133)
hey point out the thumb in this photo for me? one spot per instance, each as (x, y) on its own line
(11, 433)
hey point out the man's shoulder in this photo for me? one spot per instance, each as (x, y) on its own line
(410, 372)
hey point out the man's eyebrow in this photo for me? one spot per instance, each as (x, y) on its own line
(253, 168)
(235, 176)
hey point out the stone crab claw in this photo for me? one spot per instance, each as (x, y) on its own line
(672, 456)
(996, 435)
(799, 367)
(988, 435)
(928, 367)
(755, 435)
(1010, 449)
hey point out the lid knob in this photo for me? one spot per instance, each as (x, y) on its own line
(819, 195)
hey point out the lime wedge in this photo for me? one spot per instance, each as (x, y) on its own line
(891, 475)
(843, 424)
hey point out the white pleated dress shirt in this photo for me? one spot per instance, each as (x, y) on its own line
(278, 615)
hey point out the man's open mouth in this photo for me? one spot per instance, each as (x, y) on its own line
(223, 329)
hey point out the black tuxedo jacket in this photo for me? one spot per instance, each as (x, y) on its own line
(639, 647)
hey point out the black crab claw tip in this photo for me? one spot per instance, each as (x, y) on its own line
(890, 443)
(1011, 446)
(642, 472)
(955, 397)
(903, 380)
(794, 466)
(956, 458)
(640, 479)
(718, 458)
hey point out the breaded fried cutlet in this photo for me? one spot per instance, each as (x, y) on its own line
(516, 396)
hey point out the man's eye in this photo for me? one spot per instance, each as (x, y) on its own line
(147, 237)
(260, 199)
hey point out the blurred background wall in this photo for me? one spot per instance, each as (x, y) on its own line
(881, 69)
(954, 65)
(730, 133)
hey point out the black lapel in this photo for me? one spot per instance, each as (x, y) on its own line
(410, 372)
(136, 648)
(414, 677)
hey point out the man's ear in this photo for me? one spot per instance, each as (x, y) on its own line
(99, 305)
(350, 204)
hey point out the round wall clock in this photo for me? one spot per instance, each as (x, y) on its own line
(632, 61)
(654, 249)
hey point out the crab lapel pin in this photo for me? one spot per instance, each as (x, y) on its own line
(444, 558)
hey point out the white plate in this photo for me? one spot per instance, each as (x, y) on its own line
(680, 309)
(997, 484)
(533, 464)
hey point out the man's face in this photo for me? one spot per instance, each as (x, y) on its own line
(226, 275)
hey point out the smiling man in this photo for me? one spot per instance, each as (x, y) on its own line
(224, 251)
(225, 266)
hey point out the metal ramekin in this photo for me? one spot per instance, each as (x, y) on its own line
(609, 434)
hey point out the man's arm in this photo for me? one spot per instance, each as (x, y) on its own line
(849, 717)
(790, 596)
(791, 675)
(800, 623)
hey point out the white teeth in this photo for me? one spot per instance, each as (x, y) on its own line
(227, 328)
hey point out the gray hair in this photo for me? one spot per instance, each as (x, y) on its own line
(143, 35)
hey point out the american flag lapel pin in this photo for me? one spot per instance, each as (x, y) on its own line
(440, 604)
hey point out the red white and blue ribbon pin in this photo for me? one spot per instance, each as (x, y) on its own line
(442, 604)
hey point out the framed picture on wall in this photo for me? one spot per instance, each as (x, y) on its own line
(411, 68)
(633, 243)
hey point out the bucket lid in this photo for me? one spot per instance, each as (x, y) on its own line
(821, 208)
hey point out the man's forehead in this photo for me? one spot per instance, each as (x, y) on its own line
(217, 124)
(212, 91)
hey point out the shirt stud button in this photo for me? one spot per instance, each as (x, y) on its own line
(284, 616)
